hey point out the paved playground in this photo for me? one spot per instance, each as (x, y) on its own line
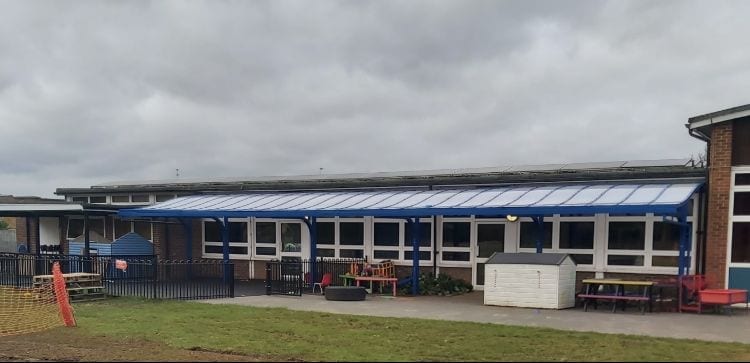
(469, 307)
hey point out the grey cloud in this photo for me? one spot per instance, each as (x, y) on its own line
(98, 91)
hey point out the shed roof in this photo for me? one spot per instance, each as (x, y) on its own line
(527, 258)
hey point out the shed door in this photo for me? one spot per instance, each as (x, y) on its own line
(490, 238)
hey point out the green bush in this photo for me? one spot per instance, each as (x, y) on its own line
(441, 285)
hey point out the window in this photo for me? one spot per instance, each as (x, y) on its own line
(278, 238)
(75, 227)
(529, 231)
(386, 234)
(666, 236)
(352, 233)
(456, 241)
(213, 238)
(99, 199)
(456, 234)
(121, 227)
(140, 198)
(326, 233)
(120, 199)
(96, 229)
(627, 235)
(741, 204)
(577, 235)
(741, 242)
(625, 260)
(742, 179)
(143, 229)
(490, 239)
(80, 199)
(164, 197)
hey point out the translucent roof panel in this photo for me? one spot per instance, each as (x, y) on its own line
(579, 198)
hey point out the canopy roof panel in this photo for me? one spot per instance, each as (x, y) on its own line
(665, 198)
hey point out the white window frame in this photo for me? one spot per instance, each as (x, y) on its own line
(403, 245)
(304, 239)
(327, 246)
(469, 249)
(91, 218)
(232, 256)
(132, 229)
(556, 220)
(732, 218)
(366, 242)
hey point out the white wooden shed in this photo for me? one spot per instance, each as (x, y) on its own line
(530, 280)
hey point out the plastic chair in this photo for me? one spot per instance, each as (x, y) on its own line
(325, 282)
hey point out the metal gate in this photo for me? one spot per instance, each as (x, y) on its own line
(284, 277)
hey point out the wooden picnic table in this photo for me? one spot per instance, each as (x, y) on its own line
(392, 280)
(615, 292)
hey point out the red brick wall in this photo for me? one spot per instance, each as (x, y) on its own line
(719, 179)
(462, 273)
(21, 232)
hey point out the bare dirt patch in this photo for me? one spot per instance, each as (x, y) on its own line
(64, 344)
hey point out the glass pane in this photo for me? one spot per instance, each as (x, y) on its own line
(220, 250)
(140, 198)
(326, 252)
(351, 254)
(265, 251)
(742, 179)
(237, 231)
(143, 229)
(81, 199)
(386, 234)
(456, 256)
(741, 242)
(456, 234)
(265, 232)
(98, 199)
(385, 255)
(96, 226)
(120, 199)
(577, 235)
(742, 203)
(213, 249)
(164, 197)
(627, 235)
(237, 250)
(529, 235)
(352, 233)
(480, 274)
(121, 228)
(212, 232)
(490, 239)
(666, 236)
(326, 233)
(425, 234)
(624, 260)
(291, 237)
(75, 227)
(664, 261)
(423, 255)
(583, 259)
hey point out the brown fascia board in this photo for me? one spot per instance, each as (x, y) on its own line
(651, 173)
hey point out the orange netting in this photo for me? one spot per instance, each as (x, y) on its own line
(29, 310)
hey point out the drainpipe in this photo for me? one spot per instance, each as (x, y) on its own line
(703, 232)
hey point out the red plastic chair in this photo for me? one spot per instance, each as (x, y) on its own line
(325, 282)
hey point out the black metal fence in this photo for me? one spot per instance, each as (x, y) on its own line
(293, 276)
(142, 276)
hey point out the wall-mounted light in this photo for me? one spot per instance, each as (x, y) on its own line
(511, 218)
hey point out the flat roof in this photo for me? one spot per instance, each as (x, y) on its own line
(707, 120)
(501, 175)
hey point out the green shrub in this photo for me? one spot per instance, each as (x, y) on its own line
(441, 285)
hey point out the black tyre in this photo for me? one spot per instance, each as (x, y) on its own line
(345, 293)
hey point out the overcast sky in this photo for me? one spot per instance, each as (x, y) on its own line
(98, 91)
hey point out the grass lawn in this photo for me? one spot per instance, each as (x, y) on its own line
(281, 334)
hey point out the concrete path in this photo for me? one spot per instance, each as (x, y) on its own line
(469, 307)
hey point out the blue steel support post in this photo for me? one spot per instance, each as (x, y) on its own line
(539, 233)
(684, 259)
(415, 238)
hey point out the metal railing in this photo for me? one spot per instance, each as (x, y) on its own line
(143, 276)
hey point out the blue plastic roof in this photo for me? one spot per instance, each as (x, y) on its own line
(664, 198)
